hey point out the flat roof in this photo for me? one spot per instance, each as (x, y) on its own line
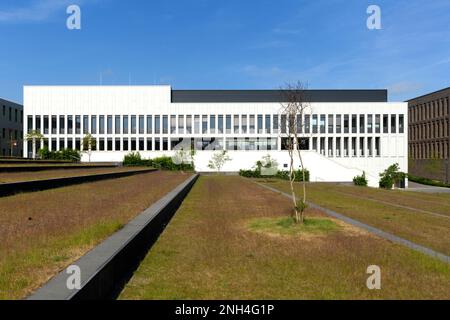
(211, 96)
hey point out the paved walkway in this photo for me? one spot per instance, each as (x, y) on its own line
(417, 187)
(373, 230)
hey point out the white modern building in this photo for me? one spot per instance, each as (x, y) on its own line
(344, 132)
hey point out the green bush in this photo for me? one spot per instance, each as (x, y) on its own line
(64, 154)
(133, 159)
(390, 176)
(280, 174)
(360, 180)
(166, 163)
(427, 181)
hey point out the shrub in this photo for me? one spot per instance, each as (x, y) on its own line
(390, 176)
(284, 174)
(360, 180)
(132, 159)
(280, 174)
(166, 163)
(64, 154)
(427, 181)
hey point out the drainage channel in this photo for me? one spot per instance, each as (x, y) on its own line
(106, 269)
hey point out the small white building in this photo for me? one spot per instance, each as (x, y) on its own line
(344, 132)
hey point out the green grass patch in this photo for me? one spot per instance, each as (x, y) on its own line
(286, 226)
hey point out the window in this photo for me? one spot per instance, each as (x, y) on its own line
(307, 123)
(267, 124)
(61, 144)
(54, 126)
(101, 125)
(338, 124)
(69, 143)
(244, 123)
(260, 123)
(252, 124)
(173, 124)
(314, 123)
(362, 128)
(220, 124)
(346, 123)
(77, 127)
(10, 114)
(377, 123)
(141, 124)
(77, 144)
(125, 126)
(149, 125)
(189, 124)
(275, 124)
(345, 147)
(196, 124)
(165, 144)
(93, 124)
(157, 144)
(46, 124)
(149, 144)
(361, 147)
(15, 115)
(133, 128)
(125, 144)
(117, 142)
(101, 144)
(165, 124)
(212, 124)
(369, 123)
(354, 125)
(236, 123)
(85, 124)
(228, 123)
(133, 144)
(61, 125)
(369, 147)
(299, 123)
(109, 144)
(393, 123)
(330, 147)
(181, 124)
(69, 126)
(117, 126)
(157, 124)
(377, 147)
(283, 123)
(385, 123)
(401, 123)
(330, 124)
(30, 123)
(141, 144)
(322, 123)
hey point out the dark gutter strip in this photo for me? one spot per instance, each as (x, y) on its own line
(43, 168)
(7, 189)
(107, 268)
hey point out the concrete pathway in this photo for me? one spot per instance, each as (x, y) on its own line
(417, 187)
(373, 230)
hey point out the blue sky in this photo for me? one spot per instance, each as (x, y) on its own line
(227, 44)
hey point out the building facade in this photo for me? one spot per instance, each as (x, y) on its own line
(343, 132)
(429, 132)
(11, 129)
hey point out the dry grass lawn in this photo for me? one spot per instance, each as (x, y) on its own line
(42, 232)
(430, 229)
(6, 177)
(208, 252)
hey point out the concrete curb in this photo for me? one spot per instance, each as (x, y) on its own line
(373, 230)
(106, 268)
(7, 189)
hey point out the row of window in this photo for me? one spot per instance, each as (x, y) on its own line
(331, 146)
(14, 114)
(430, 150)
(427, 111)
(429, 130)
(8, 134)
(216, 124)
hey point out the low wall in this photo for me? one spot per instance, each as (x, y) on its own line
(7, 189)
(106, 269)
(31, 168)
(434, 169)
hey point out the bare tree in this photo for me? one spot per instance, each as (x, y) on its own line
(293, 107)
(89, 143)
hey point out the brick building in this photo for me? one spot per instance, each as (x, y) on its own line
(429, 135)
(11, 129)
